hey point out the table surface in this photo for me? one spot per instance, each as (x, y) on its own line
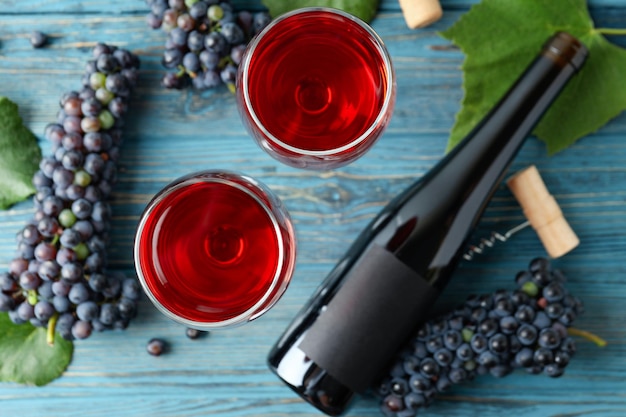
(171, 133)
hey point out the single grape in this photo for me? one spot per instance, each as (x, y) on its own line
(7, 303)
(172, 80)
(215, 42)
(65, 255)
(67, 218)
(185, 22)
(43, 310)
(215, 13)
(45, 251)
(82, 208)
(25, 311)
(245, 21)
(89, 124)
(108, 314)
(236, 53)
(232, 33)
(170, 17)
(81, 329)
(553, 292)
(549, 338)
(508, 324)
(64, 325)
(177, 4)
(78, 294)
(7, 283)
(211, 79)
(127, 307)
(229, 74)
(38, 39)
(261, 20)
(71, 272)
(104, 95)
(195, 41)
(191, 62)
(131, 289)
(179, 37)
(94, 164)
(29, 280)
(87, 311)
(70, 238)
(72, 105)
(488, 327)
(498, 343)
(62, 177)
(107, 64)
(117, 108)
(61, 288)
(61, 303)
(542, 320)
(156, 346)
(116, 84)
(96, 81)
(91, 107)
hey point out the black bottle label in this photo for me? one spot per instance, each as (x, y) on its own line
(371, 314)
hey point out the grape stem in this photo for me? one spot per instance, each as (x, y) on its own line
(52, 324)
(572, 331)
(611, 31)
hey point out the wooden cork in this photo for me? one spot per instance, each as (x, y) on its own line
(420, 13)
(543, 212)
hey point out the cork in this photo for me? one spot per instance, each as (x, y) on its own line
(543, 212)
(420, 13)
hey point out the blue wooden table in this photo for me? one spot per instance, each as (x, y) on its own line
(171, 133)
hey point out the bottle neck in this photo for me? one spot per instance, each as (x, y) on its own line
(465, 180)
(507, 125)
(501, 133)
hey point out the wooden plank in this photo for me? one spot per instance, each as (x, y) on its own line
(113, 7)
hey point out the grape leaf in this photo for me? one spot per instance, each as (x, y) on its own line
(19, 156)
(364, 9)
(26, 357)
(501, 37)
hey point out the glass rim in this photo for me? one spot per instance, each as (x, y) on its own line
(186, 181)
(389, 77)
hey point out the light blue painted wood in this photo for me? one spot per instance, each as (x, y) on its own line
(171, 133)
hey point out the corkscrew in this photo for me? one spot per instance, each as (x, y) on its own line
(542, 213)
(490, 242)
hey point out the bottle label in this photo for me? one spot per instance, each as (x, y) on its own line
(379, 305)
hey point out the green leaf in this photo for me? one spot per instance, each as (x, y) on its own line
(19, 156)
(501, 37)
(26, 357)
(364, 9)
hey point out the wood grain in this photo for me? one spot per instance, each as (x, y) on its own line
(171, 133)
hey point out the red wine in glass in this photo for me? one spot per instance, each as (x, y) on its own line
(214, 249)
(316, 88)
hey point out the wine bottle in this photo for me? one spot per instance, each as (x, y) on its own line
(382, 289)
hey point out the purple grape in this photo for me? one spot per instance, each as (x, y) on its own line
(81, 329)
(156, 346)
(38, 39)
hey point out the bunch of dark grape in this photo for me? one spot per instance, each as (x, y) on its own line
(495, 333)
(58, 278)
(205, 40)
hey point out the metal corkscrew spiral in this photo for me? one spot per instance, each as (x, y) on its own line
(491, 240)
